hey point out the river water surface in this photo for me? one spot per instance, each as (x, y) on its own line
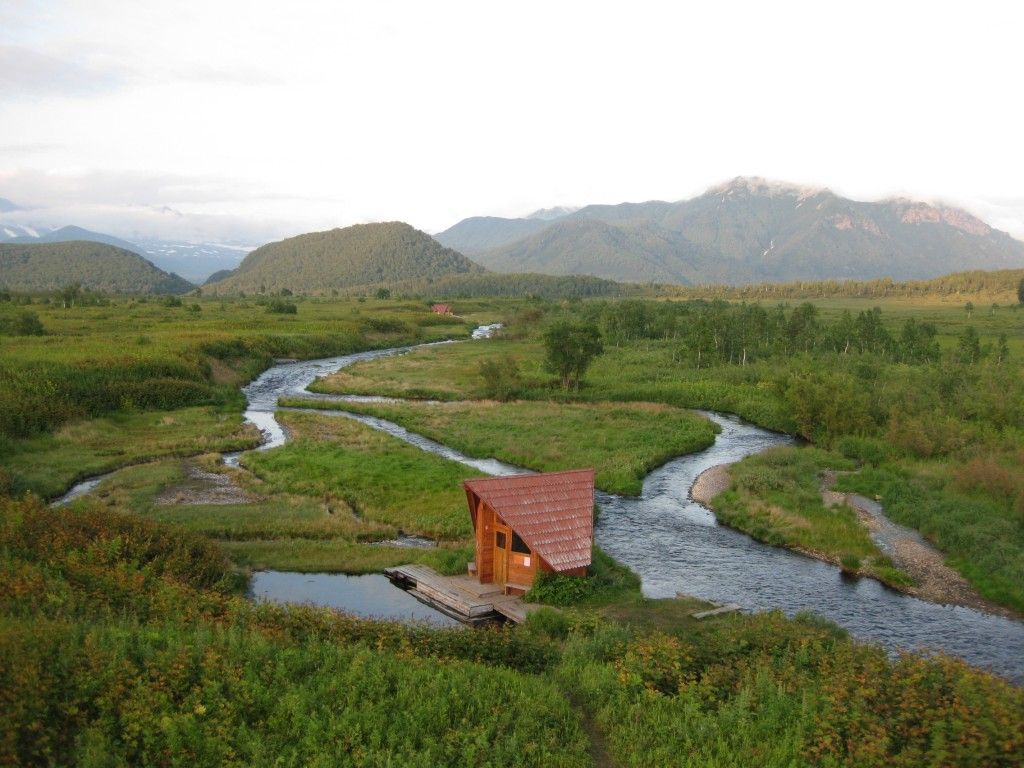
(676, 545)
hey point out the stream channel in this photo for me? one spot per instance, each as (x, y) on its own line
(672, 542)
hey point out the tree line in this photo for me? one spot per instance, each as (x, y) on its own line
(716, 332)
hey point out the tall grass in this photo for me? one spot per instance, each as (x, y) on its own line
(982, 530)
(623, 442)
(775, 496)
(769, 691)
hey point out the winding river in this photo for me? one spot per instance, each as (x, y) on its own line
(676, 545)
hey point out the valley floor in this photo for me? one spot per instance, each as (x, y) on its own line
(126, 636)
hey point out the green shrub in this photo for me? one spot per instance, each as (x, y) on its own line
(606, 580)
(281, 307)
(501, 378)
(548, 622)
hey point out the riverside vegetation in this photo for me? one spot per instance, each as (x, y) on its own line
(913, 395)
(127, 640)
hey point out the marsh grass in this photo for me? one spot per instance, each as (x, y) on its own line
(446, 372)
(775, 496)
(49, 464)
(343, 556)
(135, 355)
(324, 502)
(980, 528)
(384, 479)
(623, 442)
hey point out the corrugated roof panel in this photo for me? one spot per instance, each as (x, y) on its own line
(553, 512)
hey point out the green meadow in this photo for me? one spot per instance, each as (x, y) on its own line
(126, 638)
(623, 442)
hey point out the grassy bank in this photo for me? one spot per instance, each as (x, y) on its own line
(123, 641)
(971, 510)
(48, 464)
(623, 442)
(148, 658)
(775, 496)
(326, 501)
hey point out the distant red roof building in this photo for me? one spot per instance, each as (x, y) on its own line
(442, 309)
(527, 523)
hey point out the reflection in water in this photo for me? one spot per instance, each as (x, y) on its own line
(370, 596)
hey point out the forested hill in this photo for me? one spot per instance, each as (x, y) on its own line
(746, 231)
(95, 266)
(342, 259)
(478, 285)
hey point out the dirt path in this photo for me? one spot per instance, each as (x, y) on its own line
(935, 580)
(597, 746)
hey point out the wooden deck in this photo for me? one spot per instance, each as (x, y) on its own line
(461, 597)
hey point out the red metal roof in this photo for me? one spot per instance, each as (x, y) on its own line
(553, 512)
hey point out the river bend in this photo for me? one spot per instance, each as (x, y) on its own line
(676, 544)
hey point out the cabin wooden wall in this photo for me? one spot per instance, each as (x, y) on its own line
(518, 570)
(522, 568)
(484, 542)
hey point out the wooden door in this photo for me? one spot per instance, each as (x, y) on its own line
(502, 535)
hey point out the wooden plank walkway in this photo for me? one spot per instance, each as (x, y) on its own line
(460, 597)
(722, 609)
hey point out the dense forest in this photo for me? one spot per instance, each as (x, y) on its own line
(517, 285)
(997, 285)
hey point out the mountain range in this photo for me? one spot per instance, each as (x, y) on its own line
(745, 231)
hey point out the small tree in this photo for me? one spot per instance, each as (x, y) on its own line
(569, 348)
(69, 293)
(1002, 349)
(383, 293)
(969, 348)
(1020, 292)
(501, 378)
(969, 306)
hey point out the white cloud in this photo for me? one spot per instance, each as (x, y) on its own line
(315, 114)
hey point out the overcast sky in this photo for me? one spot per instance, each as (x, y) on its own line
(248, 121)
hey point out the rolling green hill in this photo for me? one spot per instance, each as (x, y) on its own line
(363, 255)
(745, 231)
(95, 266)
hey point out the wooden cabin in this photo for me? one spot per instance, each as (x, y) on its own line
(442, 309)
(530, 523)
